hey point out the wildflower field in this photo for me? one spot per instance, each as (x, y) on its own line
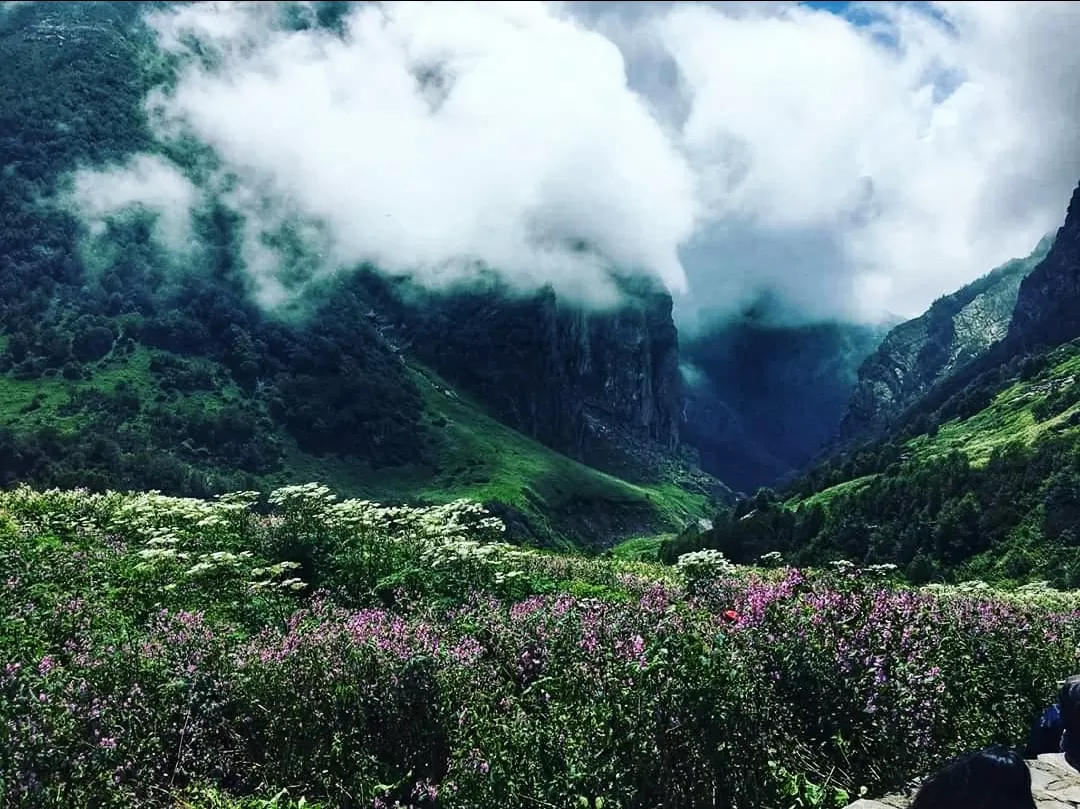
(294, 650)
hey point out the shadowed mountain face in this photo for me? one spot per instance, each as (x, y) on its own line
(600, 386)
(761, 398)
(918, 353)
(1048, 304)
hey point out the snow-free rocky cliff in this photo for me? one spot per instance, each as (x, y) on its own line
(918, 353)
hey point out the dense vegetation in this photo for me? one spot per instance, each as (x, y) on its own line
(68, 314)
(155, 650)
(982, 479)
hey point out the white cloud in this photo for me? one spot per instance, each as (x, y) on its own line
(809, 130)
(848, 168)
(524, 140)
(145, 181)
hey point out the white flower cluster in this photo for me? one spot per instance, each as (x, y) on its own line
(267, 578)
(770, 559)
(303, 497)
(196, 539)
(461, 532)
(708, 562)
(881, 571)
(176, 536)
(1037, 595)
(56, 510)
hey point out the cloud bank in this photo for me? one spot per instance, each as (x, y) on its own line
(147, 182)
(850, 165)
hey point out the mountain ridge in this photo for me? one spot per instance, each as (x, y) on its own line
(956, 329)
(977, 477)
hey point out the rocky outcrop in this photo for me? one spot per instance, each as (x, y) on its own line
(1048, 305)
(918, 353)
(1054, 785)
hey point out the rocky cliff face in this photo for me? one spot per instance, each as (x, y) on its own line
(918, 353)
(600, 386)
(1048, 305)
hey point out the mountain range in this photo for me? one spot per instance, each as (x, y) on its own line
(580, 426)
(959, 455)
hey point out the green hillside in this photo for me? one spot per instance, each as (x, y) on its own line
(1029, 410)
(103, 427)
(981, 480)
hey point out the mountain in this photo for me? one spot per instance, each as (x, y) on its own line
(979, 475)
(600, 386)
(122, 365)
(762, 396)
(1048, 304)
(916, 354)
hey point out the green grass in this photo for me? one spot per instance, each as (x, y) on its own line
(1008, 419)
(824, 497)
(482, 459)
(32, 404)
(640, 549)
(478, 458)
(212, 798)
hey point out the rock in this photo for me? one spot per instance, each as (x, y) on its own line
(602, 386)
(1048, 304)
(1054, 784)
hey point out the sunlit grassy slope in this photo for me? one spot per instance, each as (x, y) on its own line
(561, 501)
(823, 497)
(1012, 415)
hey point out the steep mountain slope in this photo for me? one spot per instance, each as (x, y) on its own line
(762, 397)
(125, 366)
(978, 477)
(600, 386)
(919, 352)
(993, 493)
(1048, 305)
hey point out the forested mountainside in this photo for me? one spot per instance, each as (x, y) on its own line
(979, 477)
(125, 367)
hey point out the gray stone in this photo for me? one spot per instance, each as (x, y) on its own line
(1054, 784)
